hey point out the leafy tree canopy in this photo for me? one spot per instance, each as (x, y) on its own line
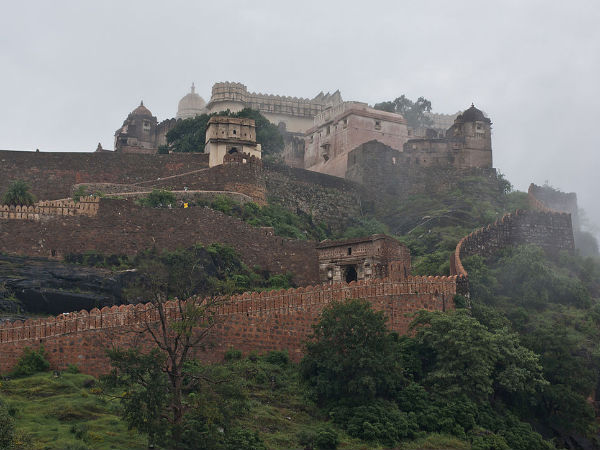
(189, 135)
(413, 112)
(18, 194)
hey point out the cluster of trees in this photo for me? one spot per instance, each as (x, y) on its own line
(18, 194)
(189, 135)
(413, 112)
(454, 376)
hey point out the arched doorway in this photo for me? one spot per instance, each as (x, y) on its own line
(351, 274)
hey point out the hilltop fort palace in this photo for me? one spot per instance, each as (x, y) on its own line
(324, 134)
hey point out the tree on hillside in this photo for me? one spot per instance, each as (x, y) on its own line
(18, 194)
(156, 382)
(413, 112)
(189, 135)
(462, 357)
(351, 355)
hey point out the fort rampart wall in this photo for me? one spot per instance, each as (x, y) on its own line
(550, 230)
(121, 227)
(272, 320)
(52, 175)
(87, 206)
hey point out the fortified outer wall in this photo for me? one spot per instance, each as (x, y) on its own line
(51, 175)
(329, 199)
(121, 227)
(275, 320)
(550, 230)
(386, 170)
(88, 206)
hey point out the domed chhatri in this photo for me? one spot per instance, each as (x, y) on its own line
(473, 115)
(141, 111)
(191, 105)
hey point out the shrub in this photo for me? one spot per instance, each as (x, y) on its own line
(233, 355)
(243, 439)
(379, 422)
(32, 361)
(72, 368)
(158, 198)
(18, 194)
(7, 428)
(280, 358)
(323, 438)
(81, 191)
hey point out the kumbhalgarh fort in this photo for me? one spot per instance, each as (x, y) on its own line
(339, 161)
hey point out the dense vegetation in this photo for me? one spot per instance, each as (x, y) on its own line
(514, 368)
(189, 135)
(18, 194)
(413, 111)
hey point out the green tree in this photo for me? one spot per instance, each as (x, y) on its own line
(189, 135)
(18, 194)
(158, 198)
(413, 112)
(461, 357)
(157, 380)
(267, 134)
(351, 356)
(7, 428)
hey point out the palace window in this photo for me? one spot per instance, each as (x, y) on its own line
(378, 125)
(146, 125)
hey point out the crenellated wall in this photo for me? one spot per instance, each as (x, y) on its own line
(272, 320)
(87, 206)
(550, 230)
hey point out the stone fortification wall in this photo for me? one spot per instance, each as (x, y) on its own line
(293, 106)
(121, 227)
(275, 320)
(386, 170)
(87, 206)
(329, 199)
(51, 175)
(550, 230)
(546, 198)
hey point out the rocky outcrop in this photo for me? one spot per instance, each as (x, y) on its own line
(40, 286)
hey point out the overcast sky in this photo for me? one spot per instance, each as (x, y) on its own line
(71, 71)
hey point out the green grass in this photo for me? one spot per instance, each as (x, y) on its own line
(60, 413)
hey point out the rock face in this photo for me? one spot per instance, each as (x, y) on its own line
(35, 285)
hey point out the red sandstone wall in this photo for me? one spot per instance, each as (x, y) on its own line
(51, 175)
(252, 321)
(121, 227)
(548, 229)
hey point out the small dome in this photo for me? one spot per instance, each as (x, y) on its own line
(473, 115)
(141, 111)
(191, 105)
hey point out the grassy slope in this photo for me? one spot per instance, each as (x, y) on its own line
(60, 413)
(54, 410)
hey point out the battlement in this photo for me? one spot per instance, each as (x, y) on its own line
(282, 301)
(271, 320)
(227, 92)
(551, 230)
(87, 206)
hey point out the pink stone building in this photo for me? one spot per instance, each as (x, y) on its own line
(342, 128)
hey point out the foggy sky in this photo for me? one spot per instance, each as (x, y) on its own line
(71, 71)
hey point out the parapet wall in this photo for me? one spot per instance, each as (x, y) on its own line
(273, 320)
(87, 206)
(550, 230)
(294, 106)
(52, 175)
(121, 227)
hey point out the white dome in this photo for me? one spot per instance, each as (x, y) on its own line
(191, 105)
